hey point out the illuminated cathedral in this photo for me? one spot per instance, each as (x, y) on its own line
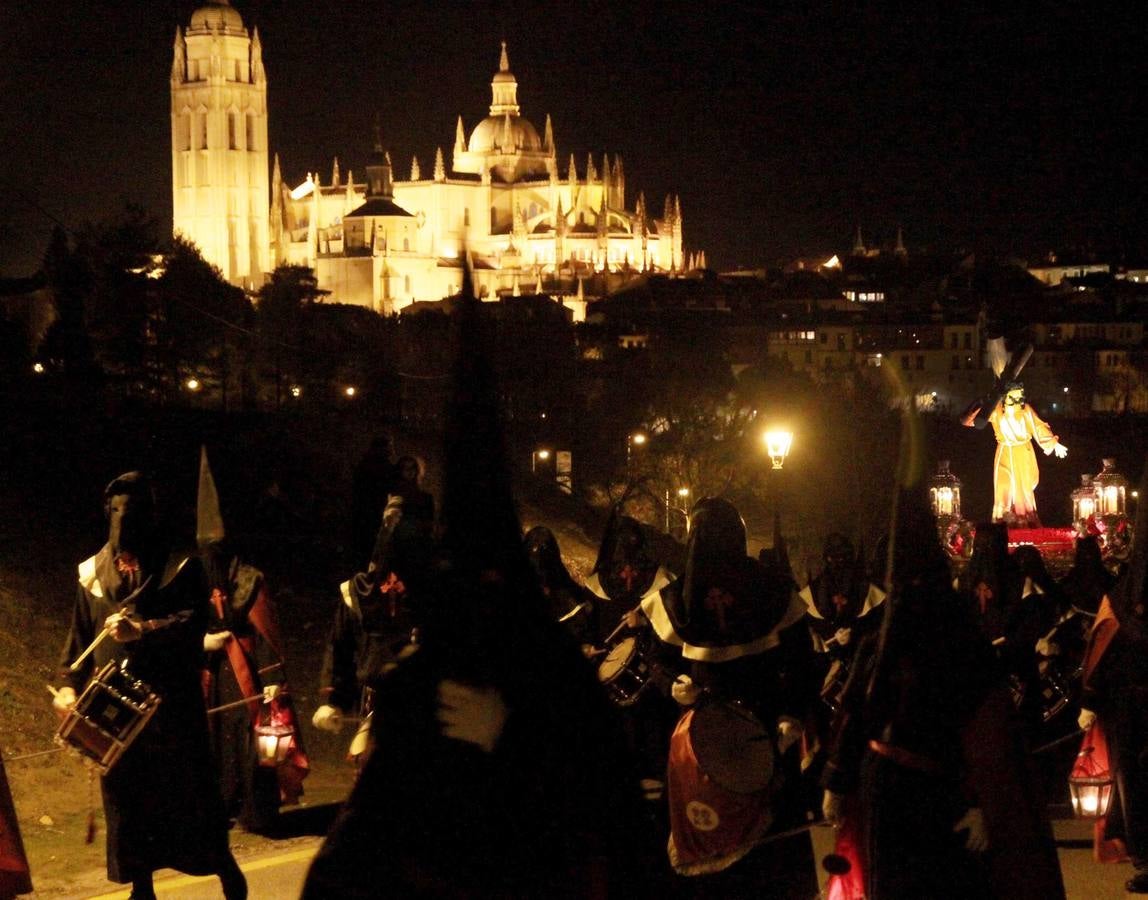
(528, 224)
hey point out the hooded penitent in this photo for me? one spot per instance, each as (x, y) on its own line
(526, 818)
(626, 565)
(726, 604)
(252, 658)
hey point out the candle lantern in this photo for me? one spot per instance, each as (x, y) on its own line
(1110, 488)
(273, 740)
(1083, 503)
(1090, 784)
(945, 492)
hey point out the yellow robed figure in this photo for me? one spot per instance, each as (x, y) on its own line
(1015, 473)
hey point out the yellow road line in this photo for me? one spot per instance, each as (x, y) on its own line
(173, 883)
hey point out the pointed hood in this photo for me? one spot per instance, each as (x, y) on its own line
(481, 533)
(208, 517)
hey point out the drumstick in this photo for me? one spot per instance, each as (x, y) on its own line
(622, 626)
(90, 649)
(234, 704)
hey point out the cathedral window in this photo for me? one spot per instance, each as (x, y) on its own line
(202, 145)
(183, 131)
(466, 218)
(407, 248)
(252, 143)
(232, 131)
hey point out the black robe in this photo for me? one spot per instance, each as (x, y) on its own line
(161, 800)
(250, 790)
(551, 812)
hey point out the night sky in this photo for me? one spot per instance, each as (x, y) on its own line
(782, 125)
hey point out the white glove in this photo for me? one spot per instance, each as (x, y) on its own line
(788, 733)
(63, 700)
(833, 808)
(216, 640)
(393, 512)
(474, 715)
(1060, 450)
(1086, 719)
(328, 718)
(974, 822)
(843, 636)
(270, 692)
(684, 691)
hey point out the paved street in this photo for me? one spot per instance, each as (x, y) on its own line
(279, 876)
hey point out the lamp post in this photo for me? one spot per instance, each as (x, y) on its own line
(633, 439)
(539, 455)
(683, 494)
(778, 442)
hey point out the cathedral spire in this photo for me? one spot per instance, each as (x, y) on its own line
(258, 75)
(548, 140)
(572, 172)
(459, 137)
(858, 244)
(179, 58)
(416, 174)
(335, 173)
(899, 249)
(439, 166)
(379, 172)
(503, 88)
(591, 172)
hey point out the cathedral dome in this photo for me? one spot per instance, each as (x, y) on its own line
(490, 136)
(216, 15)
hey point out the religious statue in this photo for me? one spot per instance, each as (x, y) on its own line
(1016, 425)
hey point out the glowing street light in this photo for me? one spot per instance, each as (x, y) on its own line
(634, 439)
(192, 384)
(296, 391)
(38, 368)
(777, 444)
(683, 494)
(540, 455)
(349, 390)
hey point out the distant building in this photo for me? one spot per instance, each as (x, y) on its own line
(529, 224)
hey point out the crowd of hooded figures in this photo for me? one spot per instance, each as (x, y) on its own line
(675, 726)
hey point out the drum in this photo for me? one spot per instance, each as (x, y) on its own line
(624, 672)
(1056, 689)
(108, 716)
(732, 747)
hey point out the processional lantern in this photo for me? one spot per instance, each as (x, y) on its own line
(1083, 502)
(273, 741)
(1110, 488)
(1089, 785)
(945, 493)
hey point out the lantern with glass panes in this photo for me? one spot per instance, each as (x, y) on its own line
(273, 742)
(1083, 504)
(945, 499)
(1089, 785)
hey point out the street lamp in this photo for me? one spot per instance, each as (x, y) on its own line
(777, 444)
(192, 384)
(634, 439)
(683, 494)
(537, 456)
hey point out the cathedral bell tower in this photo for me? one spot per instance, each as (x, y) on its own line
(219, 143)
